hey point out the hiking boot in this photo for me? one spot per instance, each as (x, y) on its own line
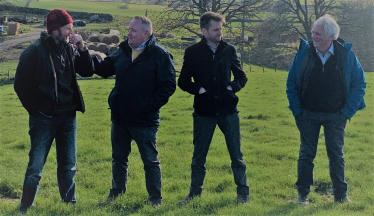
(342, 200)
(302, 200)
(242, 198)
(189, 197)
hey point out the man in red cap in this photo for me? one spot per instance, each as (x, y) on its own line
(46, 85)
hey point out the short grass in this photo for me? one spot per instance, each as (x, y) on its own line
(110, 7)
(270, 143)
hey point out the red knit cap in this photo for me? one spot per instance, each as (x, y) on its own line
(57, 18)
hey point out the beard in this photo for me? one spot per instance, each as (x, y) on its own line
(60, 38)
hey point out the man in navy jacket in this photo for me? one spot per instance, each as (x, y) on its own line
(145, 79)
(325, 87)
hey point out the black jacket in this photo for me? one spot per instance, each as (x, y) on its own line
(36, 82)
(142, 87)
(212, 71)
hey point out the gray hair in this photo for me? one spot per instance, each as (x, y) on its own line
(146, 23)
(329, 24)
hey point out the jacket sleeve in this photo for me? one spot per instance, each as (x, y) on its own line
(185, 77)
(24, 84)
(104, 68)
(240, 79)
(357, 86)
(166, 83)
(292, 87)
(83, 63)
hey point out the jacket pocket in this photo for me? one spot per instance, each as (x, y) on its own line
(204, 103)
(230, 100)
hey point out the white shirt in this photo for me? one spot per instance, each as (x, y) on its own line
(214, 49)
(141, 45)
(327, 54)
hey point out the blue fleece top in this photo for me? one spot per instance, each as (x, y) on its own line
(354, 78)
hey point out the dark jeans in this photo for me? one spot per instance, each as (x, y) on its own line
(309, 125)
(145, 138)
(43, 130)
(203, 132)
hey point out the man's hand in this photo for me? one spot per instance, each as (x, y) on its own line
(77, 42)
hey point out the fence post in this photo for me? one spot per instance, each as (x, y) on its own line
(8, 75)
(263, 70)
(250, 68)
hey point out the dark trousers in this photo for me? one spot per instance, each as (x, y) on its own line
(43, 130)
(309, 125)
(145, 138)
(203, 130)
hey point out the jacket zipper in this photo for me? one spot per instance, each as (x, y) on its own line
(54, 75)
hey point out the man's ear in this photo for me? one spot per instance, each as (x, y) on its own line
(147, 33)
(204, 30)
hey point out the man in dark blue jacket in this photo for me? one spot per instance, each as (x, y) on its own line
(145, 79)
(46, 85)
(210, 63)
(325, 87)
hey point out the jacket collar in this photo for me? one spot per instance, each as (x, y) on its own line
(221, 46)
(341, 47)
(150, 42)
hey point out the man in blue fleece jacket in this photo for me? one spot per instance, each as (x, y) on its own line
(325, 87)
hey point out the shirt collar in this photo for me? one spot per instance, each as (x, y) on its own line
(139, 47)
(331, 49)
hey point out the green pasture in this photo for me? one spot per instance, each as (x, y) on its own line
(109, 7)
(270, 143)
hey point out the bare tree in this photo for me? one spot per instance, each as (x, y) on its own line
(298, 12)
(356, 19)
(185, 14)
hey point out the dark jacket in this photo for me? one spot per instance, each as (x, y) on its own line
(142, 87)
(212, 71)
(36, 82)
(348, 65)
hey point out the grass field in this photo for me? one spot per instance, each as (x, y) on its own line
(92, 6)
(270, 142)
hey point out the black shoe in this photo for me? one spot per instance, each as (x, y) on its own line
(23, 210)
(189, 197)
(302, 200)
(342, 200)
(242, 198)
(155, 203)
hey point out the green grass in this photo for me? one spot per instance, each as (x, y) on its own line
(270, 143)
(91, 6)
(121, 20)
(9, 66)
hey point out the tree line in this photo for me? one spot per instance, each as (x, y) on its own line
(273, 26)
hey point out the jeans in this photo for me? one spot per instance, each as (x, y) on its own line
(309, 124)
(145, 138)
(203, 132)
(43, 130)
